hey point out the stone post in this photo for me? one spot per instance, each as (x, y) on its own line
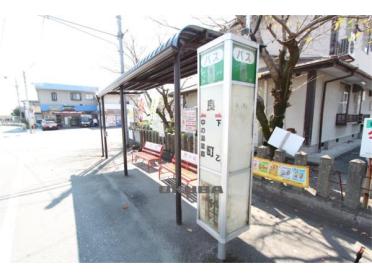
(279, 155)
(325, 169)
(301, 158)
(357, 170)
(263, 152)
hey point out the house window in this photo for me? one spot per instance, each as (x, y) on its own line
(88, 96)
(344, 98)
(54, 96)
(366, 41)
(75, 96)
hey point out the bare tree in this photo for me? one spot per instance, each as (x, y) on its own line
(293, 34)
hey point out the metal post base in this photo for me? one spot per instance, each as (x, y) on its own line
(221, 253)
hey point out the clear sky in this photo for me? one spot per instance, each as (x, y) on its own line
(51, 52)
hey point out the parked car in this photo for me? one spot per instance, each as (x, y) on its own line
(49, 125)
(85, 121)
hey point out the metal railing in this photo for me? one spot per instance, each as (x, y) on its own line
(342, 118)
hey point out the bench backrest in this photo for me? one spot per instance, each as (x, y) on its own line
(153, 148)
(189, 161)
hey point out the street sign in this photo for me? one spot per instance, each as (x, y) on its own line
(366, 146)
(227, 94)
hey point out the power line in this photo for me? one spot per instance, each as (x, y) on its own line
(79, 29)
(78, 24)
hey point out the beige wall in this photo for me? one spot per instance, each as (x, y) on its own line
(295, 114)
(63, 97)
(367, 104)
(334, 95)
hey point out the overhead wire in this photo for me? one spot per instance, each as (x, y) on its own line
(71, 25)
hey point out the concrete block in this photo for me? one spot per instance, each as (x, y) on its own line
(325, 170)
(353, 189)
(263, 152)
(301, 158)
(279, 155)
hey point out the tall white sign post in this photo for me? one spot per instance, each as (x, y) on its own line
(227, 69)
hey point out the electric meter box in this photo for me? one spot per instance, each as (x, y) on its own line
(227, 73)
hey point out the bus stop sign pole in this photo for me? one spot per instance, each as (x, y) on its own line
(227, 94)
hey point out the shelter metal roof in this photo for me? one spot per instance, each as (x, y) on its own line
(156, 68)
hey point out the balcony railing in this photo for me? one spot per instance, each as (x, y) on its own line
(342, 47)
(342, 118)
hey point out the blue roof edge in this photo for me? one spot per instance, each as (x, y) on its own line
(65, 87)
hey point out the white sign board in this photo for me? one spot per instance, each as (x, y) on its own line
(366, 146)
(188, 120)
(227, 70)
(285, 140)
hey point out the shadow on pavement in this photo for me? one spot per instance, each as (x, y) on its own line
(144, 230)
(329, 230)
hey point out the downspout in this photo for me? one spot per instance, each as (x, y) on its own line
(322, 107)
(360, 101)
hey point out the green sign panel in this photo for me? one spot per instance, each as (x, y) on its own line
(244, 64)
(211, 66)
(369, 124)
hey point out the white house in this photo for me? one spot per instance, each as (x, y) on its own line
(331, 90)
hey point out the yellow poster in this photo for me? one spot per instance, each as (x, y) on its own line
(285, 173)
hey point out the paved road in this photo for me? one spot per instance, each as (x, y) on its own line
(60, 202)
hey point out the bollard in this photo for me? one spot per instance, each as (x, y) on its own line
(301, 158)
(279, 155)
(367, 184)
(263, 152)
(325, 169)
(353, 190)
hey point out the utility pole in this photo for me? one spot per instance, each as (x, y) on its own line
(19, 103)
(27, 103)
(120, 37)
(123, 102)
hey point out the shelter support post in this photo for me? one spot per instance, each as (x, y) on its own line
(221, 251)
(104, 126)
(100, 126)
(177, 142)
(123, 130)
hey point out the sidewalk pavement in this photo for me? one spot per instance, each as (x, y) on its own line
(126, 219)
(334, 152)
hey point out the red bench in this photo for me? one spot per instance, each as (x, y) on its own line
(189, 167)
(151, 152)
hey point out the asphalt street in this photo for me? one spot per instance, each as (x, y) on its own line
(60, 201)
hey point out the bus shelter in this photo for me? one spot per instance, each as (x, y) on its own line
(169, 63)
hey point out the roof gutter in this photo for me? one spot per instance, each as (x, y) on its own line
(323, 103)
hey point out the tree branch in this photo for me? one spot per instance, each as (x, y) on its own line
(283, 23)
(314, 24)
